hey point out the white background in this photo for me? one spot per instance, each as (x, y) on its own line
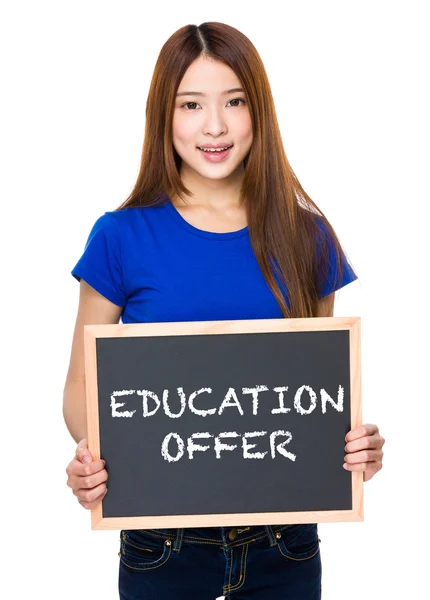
(350, 87)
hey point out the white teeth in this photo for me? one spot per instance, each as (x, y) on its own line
(214, 149)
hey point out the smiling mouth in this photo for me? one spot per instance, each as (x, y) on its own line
(215, 150)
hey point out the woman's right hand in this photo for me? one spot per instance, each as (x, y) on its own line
(86, 477)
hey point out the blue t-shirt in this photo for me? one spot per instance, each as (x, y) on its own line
(160, 268)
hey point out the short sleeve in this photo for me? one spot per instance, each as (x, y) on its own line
(330, 278)
(100, 264)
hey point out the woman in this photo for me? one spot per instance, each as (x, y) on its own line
(216, 227)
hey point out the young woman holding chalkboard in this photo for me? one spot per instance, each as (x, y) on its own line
(217, 227)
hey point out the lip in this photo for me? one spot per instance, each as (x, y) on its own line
(215, 156)
(218, 145)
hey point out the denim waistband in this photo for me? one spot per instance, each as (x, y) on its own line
(228, 537)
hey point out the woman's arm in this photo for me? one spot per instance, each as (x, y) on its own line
(86, 477)
(93, 309)
(363, 444)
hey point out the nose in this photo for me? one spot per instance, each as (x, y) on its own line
(214, 124)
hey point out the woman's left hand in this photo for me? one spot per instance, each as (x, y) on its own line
(364, 450)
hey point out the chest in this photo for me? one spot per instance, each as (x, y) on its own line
(195, 282)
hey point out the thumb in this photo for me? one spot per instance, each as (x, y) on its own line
(82, 452)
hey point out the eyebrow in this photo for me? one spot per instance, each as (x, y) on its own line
(233, 90)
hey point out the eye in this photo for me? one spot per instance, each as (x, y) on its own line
(196, 103)
(186, 104)
(238, 100)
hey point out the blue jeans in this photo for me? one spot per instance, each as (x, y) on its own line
(260, 563)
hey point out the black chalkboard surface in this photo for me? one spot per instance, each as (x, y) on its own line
(224, 423)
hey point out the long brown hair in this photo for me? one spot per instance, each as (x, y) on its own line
(290, 246)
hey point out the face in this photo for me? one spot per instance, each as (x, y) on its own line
(211, 117)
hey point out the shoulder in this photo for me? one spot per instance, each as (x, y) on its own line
(322, 232)
(135, 229)
(120, 223)
(315, 230)
(131, 215)
(119, 217)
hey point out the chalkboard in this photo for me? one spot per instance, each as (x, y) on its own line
(224, 422)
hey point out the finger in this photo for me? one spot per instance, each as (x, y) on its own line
(89, 482)
(371, 467)
(90, 495)
(82, 453)
(373, 442)
(78, 469)
(364, 456)
(363, 430)
(89, 505)
(80, 473)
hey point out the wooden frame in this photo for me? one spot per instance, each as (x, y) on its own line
(92, 332)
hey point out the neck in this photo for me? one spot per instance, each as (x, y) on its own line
(211, 193)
